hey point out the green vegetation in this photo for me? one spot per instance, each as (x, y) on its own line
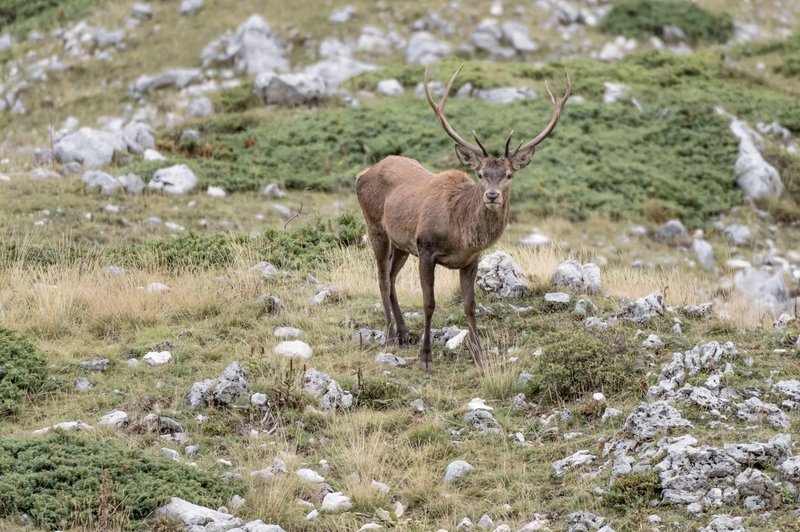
(633, 492)
(28, 14)
(23, 371)
(641, 18)
(63, 480)
(237, 99)
(673, 157)
(305, 246)
(576, 361)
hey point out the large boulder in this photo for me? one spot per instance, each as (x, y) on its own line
(643, 309)
(754, 175)
(178, 179)
(516, 34)
(97, 179)
(92, 148)
(174, 77)
(231, 386)
(291, 89)
(672, 232)
(500, 276)
(576, 276)
(339, 68)
(139, 137)
(502, 95)
(763, 288)
(193, 515)
(253, 48)
(423, 48)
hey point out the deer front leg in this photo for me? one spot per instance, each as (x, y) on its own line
(468, 274)
(426, 272)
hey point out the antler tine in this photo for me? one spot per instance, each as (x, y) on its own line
(438, 109)
(508, 141)
(480, 143)
(558, 107)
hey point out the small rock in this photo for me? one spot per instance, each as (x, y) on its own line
(336, 502)
(287, 332)
(96, 365)
(582, 457)
(293, 348)
(456, 470)
(157, 358)
(309, 475)
(83, 385)
(170, 453)
(672, 232)
(557, 298)
(115, 418)
(390, 360)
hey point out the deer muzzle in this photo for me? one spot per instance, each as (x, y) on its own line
(492, 199)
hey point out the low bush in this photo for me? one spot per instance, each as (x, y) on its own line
(23, 372)
(576, 362)
(633, 492)
(27, 14)
(63, 480)
(237, 99)
(641, 18)
(304, 246)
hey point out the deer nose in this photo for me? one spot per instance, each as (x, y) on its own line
(492, 196)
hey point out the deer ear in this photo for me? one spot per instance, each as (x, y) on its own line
(467, 157)
(522, 158)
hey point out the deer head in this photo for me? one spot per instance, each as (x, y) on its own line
(494, 173)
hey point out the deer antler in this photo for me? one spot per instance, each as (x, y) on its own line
(438, 109)
(559, 105)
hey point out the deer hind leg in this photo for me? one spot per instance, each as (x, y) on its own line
(426, 277)
(468, 274)
(399, 258)
(382, 248)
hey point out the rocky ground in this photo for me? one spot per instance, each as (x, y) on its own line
(190, 332)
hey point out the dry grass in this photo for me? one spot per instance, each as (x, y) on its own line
(79, 312)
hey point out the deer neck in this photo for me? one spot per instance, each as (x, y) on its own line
(481, 227)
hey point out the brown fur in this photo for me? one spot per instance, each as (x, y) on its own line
(440, 218)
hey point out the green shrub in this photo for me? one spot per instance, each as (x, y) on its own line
(303, 246)
(676, 153)
(633, 492)
(237, 99)
(62, 480)
(29, 14)
(790, 66)
(426, 434)
(23, 372)
(576, 362)
(380, 393)
(642, 18)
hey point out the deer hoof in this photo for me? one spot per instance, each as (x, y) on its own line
(427, 365)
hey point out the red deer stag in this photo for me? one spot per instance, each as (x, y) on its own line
(444, 218)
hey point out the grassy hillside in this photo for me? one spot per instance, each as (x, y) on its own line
(598, 187)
